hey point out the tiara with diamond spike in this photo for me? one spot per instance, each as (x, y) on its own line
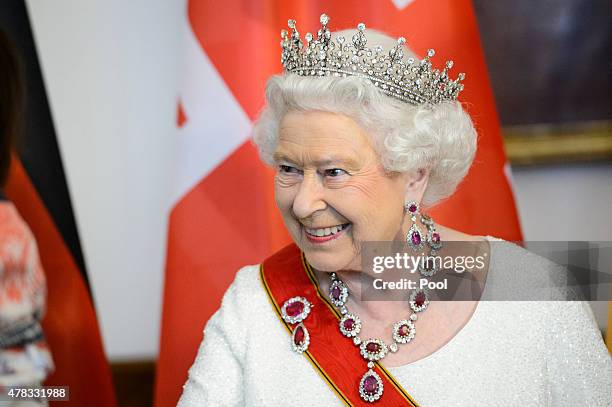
(410, 80)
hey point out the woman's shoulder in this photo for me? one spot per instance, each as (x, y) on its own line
(511, 254)
(244, 290)
(519, 272)
(453, 235)
(244, 296)
(245, 312)
(247, 278)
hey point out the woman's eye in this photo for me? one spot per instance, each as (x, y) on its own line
(287, 169)
(335, 172)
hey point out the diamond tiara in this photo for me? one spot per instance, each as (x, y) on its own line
(410, 80)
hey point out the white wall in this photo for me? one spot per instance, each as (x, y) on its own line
(572, 202)
(111, 71)
(110, 68)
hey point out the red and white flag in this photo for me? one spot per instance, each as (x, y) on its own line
(224, 215)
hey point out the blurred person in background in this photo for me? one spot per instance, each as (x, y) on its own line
(25, 359)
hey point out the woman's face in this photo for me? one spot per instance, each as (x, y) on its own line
(332, 190)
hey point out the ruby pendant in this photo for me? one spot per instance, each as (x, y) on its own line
(414, 238)
(433, 238)
(419, 300)
(338, 293)
(371, 386)
(300, 338)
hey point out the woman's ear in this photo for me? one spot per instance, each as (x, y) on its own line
(416, 184)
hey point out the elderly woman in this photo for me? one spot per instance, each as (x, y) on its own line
(363, 136)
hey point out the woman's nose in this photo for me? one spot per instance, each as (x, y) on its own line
(309, 198)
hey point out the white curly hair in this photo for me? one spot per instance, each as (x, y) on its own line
(407, 138)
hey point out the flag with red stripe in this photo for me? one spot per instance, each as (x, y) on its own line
(223, 215)
(37, 187)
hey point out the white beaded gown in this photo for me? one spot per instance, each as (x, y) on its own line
(528, 353)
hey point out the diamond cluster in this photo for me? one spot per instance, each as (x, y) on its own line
(409, 80)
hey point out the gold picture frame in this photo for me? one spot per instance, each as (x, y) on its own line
(558, 143)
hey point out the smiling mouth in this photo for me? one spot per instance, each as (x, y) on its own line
(325, 232)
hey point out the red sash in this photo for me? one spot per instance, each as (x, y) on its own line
(286, 274)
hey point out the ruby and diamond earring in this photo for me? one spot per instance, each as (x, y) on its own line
(414, 238)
